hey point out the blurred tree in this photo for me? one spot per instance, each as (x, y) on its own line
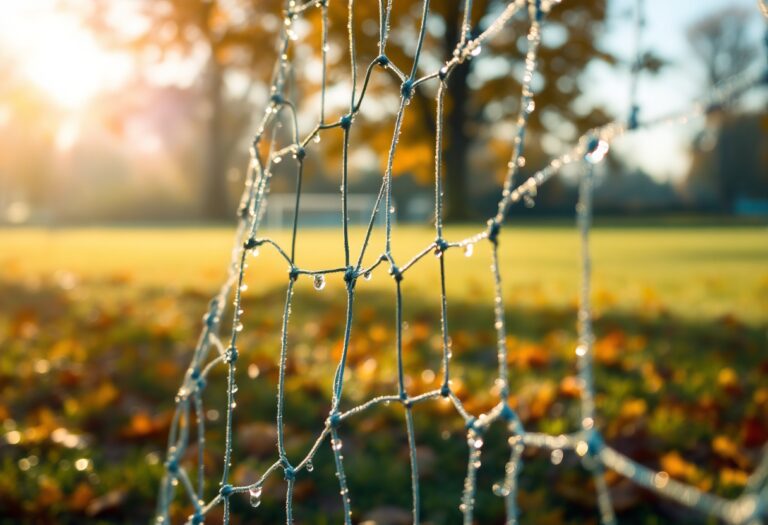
(238, 37)
(28, 127)
(483, 93)
(729, 161)
(722, 44)
(232, 41)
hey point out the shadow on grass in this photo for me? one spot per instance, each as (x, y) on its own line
(88, 375)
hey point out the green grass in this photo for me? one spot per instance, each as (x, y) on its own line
(96, 329)
(696, 272)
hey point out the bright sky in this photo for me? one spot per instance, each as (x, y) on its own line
(661, 152)
(61, 57)
(57, 53)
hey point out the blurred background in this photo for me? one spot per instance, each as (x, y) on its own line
(124, 136)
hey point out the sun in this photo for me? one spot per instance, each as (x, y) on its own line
(56, 53)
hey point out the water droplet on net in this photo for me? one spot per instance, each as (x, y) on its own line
(336, 444)
(367, 276)
(530, 106)
(316, 138)
(319, 282)
(243, 287)
(239, 327)
(528, 201)
(255, 252)
(476, 50)
(478, 443)
(277, 160)
(309, 466)
(255, 496)
(500, 490)
(556, 457)
(469, 249)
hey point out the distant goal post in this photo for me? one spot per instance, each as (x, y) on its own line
(320, 210)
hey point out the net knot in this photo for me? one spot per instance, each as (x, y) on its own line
(288, 471)
(346, 121)
(443, 73)
(334, 420)
(277, 99)
(213, 313)
(595, 443)
(201, 383)
(507, 414)
(293, 273)
(441, 245)
(300, 153)
(445, 390)
(382, 60)
(592, 143)
(633, 117)
(350, 274)
(471, 424)
(396, 273)
(538, 12)
(250, 243)
(406, 89)
(196, 518)
(494, 227)
(195, 373)
(226, 490)
(172, 465)
(231, 355)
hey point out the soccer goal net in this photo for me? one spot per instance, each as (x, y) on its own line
(203, 483)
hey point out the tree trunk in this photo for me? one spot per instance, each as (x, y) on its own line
(215, 198)
(456, 143)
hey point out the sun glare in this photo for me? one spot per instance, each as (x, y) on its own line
(58, 55)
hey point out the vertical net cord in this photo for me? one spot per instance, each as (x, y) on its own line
(584, 352)
(587, 442)
(637, 65)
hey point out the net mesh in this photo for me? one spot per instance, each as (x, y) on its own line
(217, 346)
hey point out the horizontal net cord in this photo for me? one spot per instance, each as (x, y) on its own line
(589, 149)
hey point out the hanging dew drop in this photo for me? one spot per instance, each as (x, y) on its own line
(500, 490)
(367, 276)
(243, 287)
(529, 202)
(255, 252)
(277, 160)
(310, 466)
(316, 138)
(476, 50)
(255, 496)
(469, 249)
(319, 282)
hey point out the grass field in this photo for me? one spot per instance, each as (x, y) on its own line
(696, 272)
(96, 329)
